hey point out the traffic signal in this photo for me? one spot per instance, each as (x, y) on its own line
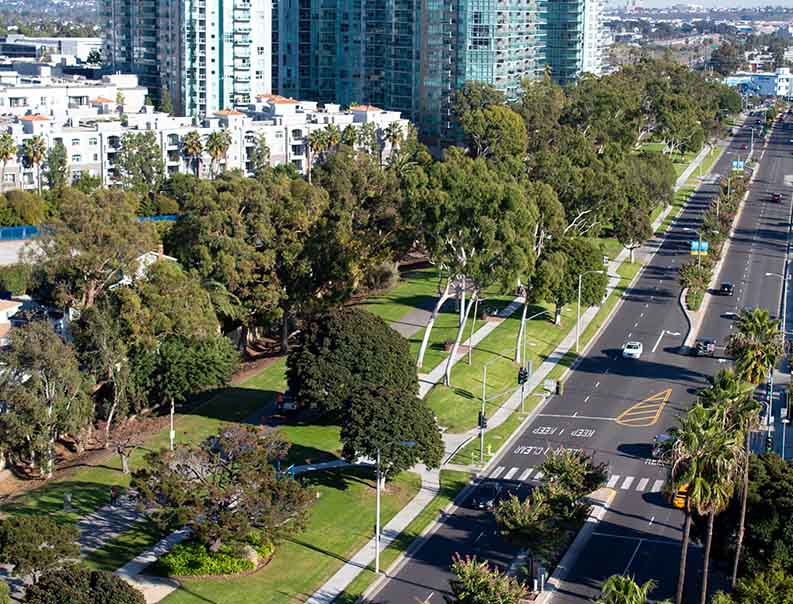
(482, 421)
(769, 443)
(523, 375)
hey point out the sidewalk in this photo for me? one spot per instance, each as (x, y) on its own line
(428, 380)
(339, 582)
(155, 589)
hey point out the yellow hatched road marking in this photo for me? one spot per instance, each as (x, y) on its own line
(645, 413)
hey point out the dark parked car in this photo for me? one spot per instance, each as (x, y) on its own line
(776, 197)
(486, 496)
(705, 347)
(727, 288)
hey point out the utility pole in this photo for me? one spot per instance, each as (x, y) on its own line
(482, 417)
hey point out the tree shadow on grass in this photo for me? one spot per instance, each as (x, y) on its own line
(339, 478)
(86, 498)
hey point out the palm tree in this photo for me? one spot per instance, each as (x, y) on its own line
(740, 412)
(393, 134)
(333, 136)
(8, 150)
(348, 136)
(621, 589)
(705, 457)
(317, 142)
(33, 151)
(757, 344)
(193, 149)
(217, 146)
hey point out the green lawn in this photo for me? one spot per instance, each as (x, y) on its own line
(457, 406)
(90, 487)
(341, 522)
(682, 194)
(452, 483)
(496, 437)
(416, 289)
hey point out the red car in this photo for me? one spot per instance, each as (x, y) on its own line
(744, 146)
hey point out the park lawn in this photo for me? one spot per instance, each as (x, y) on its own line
(684, 192)
(340, 523)
(415, 289)
(445, 329)
(452, 482)
(495, 438)
(457, 407)
(117, 552)
(90, 487)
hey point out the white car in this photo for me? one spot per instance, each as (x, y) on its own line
(632, 350)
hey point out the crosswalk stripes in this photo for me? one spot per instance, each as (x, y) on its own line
(615, 481)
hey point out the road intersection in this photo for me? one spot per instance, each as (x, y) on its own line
(614, 407)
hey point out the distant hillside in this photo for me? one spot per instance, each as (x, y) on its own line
(67, 18)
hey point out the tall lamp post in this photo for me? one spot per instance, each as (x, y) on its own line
(699, 244)
(402, 443)
(578, 314)
(784, 335)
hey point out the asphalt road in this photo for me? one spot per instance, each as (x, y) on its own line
(613, 407)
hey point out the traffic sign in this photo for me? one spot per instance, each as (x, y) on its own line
(737, 164)
(699, 248)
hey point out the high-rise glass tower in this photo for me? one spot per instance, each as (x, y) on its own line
(210, 54)
(564, 38)
(406, 55)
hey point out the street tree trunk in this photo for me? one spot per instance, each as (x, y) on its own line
(744, 496)
(435, 312)
(110, 422)
(557, 318)
(448, 375)
(681, 574)
(463, 312)
(522, 330)
(708, 542)
(124, 462)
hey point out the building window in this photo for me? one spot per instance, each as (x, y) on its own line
(11, 178)
(75, 141)
(297, 133)
(92, 141)
(76, 159)
(96, 156)
(260, 50)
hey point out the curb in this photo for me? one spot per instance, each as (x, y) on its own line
(595, 516)
(687, 313)
(559, 574)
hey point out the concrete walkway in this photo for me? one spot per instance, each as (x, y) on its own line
(428, 380)
(107, 523)
(155, 588)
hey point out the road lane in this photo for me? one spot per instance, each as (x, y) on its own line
(602, 389)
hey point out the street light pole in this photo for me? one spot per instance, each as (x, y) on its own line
(377, 521)
(482, 416)
(785, 422)
(378, 479)
(578, 314)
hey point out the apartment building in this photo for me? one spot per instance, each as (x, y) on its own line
(594, 38)
(209, 54)
(93, 140)
(406, 55)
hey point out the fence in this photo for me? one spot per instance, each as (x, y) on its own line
(25, 232)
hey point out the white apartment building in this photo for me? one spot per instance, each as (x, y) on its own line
(93, 140)
(63, 98)
(594, 37)
(209, 54)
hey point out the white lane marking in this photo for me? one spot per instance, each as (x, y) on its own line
(432, 593)
(657, 486)
(597, 384)
(479, 537)
(510, 473)
(658, 341)
(627, 483)
(497, 472)
(630, 334)
(636, 551)
(606, 371)
(651, 520)
(526, 473)
(641, 315)
(587, 398)
(636, 324)
(613, 481)
(538, 475)
(642, 484)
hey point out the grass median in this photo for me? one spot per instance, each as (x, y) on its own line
(452, 482)
(495, 438)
